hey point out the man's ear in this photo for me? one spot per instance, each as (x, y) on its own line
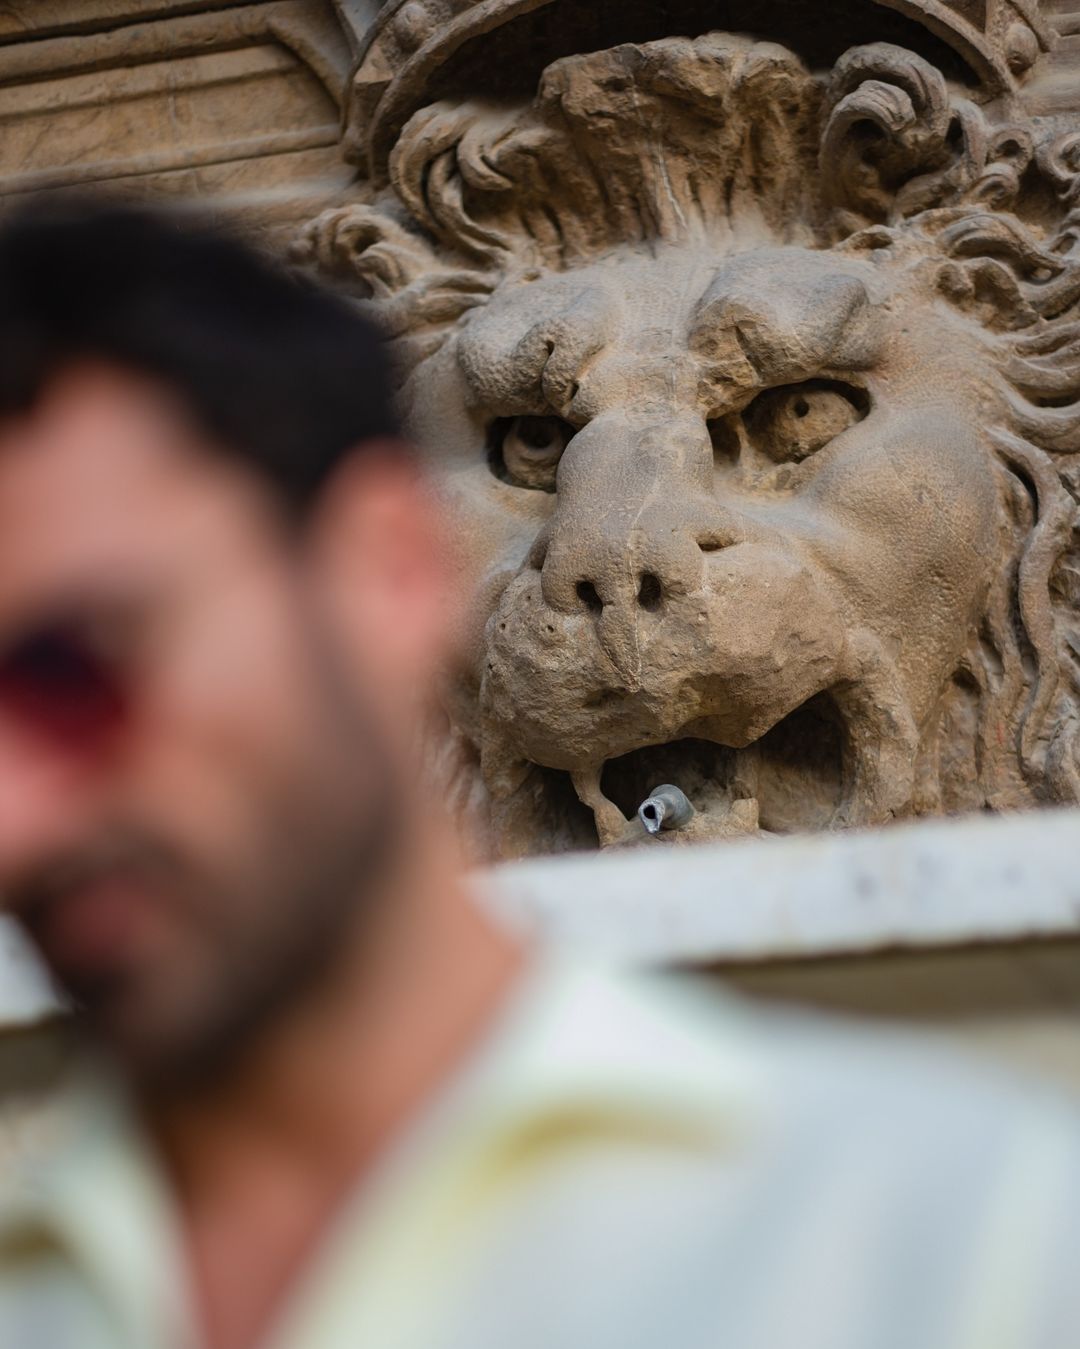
(381, 563)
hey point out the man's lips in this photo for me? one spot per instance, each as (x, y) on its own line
(92, 927)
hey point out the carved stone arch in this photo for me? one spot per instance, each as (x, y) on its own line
(417, 49)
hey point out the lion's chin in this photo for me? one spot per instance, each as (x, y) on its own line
(792, 779)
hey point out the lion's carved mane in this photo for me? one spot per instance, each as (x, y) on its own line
(733, 142)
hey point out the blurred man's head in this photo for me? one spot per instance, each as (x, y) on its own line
(220, 602)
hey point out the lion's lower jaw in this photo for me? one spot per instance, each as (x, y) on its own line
(812, 771)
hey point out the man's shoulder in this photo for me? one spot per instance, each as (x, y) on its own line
(59, 1145)
(899, 1100)
(810, 1063)
(711, 1170)
(799, 1161)
(33, 1127)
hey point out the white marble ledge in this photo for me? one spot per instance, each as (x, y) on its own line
(943, 883)
(940, 883)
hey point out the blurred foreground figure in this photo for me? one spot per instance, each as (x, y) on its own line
(331, 1107)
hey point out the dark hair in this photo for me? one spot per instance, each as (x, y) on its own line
(280, 373)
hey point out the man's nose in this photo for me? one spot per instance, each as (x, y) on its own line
(634, 516)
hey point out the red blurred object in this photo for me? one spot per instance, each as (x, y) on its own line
(58, 684)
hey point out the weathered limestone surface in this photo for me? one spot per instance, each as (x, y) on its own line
(234, 105)
(750, 361)
(746, 339)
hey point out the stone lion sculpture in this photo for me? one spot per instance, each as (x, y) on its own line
(756, 396)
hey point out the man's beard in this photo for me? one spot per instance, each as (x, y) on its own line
(253, 944)
(313, 903)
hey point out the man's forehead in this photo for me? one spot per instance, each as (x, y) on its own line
(104, 474)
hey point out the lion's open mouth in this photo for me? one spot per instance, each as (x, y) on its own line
(792, 779)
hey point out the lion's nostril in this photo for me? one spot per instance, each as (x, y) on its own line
(650, 592)
(587, 594)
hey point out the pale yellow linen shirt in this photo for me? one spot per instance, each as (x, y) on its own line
(629, 1162)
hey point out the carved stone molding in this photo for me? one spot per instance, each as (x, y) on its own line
(235, 103)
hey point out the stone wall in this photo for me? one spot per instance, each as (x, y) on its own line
(746, 339)
(751, 363)
(744, 336)
(234, 105)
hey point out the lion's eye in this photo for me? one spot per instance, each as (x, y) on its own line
(525, 451)
(794, 422)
